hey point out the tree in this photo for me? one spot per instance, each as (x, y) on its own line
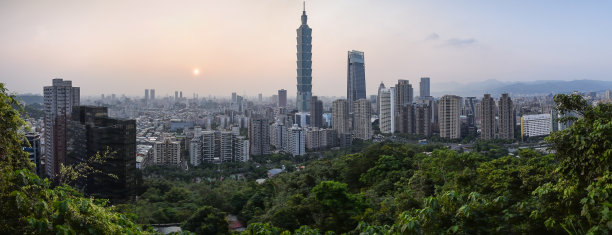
(207, 220)
(338, 210)
(579, 201)
(30, 205)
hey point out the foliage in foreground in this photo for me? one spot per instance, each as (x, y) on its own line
(30, 205)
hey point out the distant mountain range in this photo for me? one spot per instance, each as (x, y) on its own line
(31, 98)
(543, 87)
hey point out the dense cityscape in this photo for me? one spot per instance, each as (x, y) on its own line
(131, 147)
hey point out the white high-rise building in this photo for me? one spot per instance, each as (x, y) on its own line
(58, 102)
(536, 125)
(296, 141)
(241, 147)
(449, 110)
(386, 114)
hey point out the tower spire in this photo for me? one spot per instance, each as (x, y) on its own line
(304, 5)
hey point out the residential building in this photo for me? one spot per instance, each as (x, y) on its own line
(422, 119)
(340, 117)
(167, 152)
(449, 107)
(316, 112)
(362, 125)
(59, 98)
(381, 87)
(506, 118)
(259, 136)
(385, 115)
(487, 126)
(296, 141)
(536, 125)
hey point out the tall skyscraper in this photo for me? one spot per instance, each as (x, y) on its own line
(282, 98)
(487, 126)
(340, 117)
(449, 109)
(506, 118)
(146, 94)
(316, 112)
(91, 131)
(304, 65)
(58, 100)
(424, 87)
(355, 82)
(362, 113)
(259, 136)
(152, 94)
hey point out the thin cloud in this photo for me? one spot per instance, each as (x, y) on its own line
(432, 37)
(460, 42)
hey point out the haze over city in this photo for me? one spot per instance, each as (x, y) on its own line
(249, 46)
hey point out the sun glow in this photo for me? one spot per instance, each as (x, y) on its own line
(196, 72)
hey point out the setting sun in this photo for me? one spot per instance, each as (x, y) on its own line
(196, 71)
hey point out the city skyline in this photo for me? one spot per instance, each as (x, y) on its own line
(160, 46)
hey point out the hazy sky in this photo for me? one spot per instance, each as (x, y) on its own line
(249, 46)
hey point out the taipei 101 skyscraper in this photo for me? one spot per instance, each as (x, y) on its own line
(304, 64)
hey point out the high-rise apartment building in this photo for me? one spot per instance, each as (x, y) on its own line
(316, 112)
(146, 94)
(59, 98)
(506, 118)
(91, 131)
(405, 119)
(362, 113)
(259, 136)
(356, 86)
(404, 93)
(152, 94)
(278, 135)
(487, 117)
(385, 113)
(340, 117)
(304, 65)
(167, 152)
(282, 98)
(536, 125)
(422, 125)
(424, 87)
(381, 87)
(449, 111)
(296, 141)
